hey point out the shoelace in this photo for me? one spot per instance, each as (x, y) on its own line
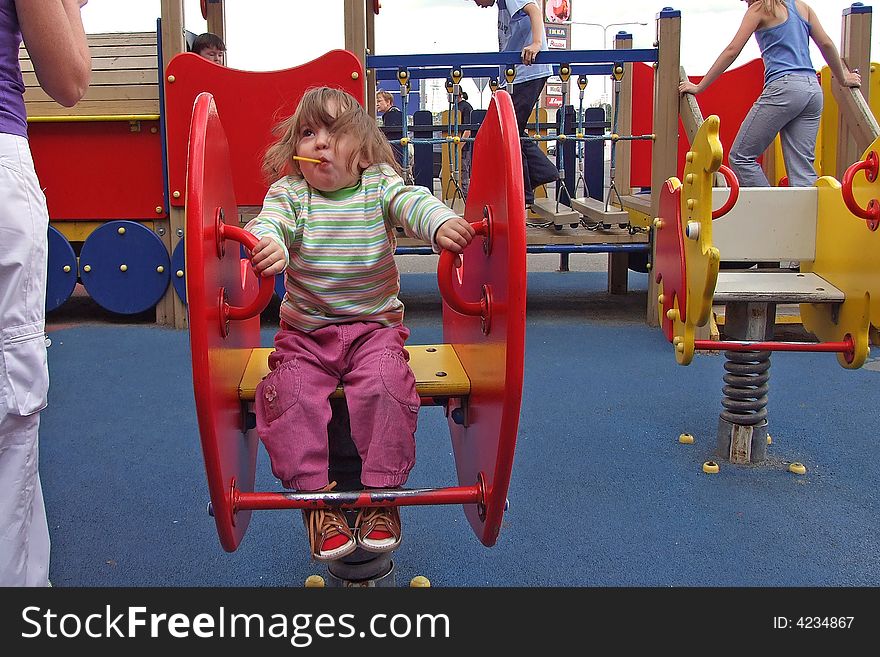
(324, 524)
(378, 518)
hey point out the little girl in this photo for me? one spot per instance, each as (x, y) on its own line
(791, 101)
(327, 222)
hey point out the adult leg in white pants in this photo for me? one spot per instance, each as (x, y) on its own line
(24, 376)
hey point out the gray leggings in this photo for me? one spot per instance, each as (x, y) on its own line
(790, 106)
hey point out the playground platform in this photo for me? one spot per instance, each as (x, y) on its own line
(603, 494)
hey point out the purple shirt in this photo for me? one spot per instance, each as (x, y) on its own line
(13, 119)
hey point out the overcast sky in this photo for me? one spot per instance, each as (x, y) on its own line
(276, 34)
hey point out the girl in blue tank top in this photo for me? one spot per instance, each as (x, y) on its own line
(790, 104)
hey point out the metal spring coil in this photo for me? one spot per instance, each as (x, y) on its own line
(745, 395)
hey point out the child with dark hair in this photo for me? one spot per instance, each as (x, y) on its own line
(211, 47)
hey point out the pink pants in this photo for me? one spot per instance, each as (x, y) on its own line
(293, 408)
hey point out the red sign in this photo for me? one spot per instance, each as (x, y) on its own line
(557, 11)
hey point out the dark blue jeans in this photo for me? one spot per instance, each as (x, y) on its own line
(537, 168)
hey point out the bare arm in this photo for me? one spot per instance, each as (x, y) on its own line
(53, 33)
(749, 24)
(531, 51)
(829, 52)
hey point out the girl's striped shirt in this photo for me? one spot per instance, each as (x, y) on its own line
(339, 245)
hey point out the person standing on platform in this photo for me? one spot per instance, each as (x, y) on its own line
(790, 104)
(521, 30)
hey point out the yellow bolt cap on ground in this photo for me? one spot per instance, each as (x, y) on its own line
(769, 439)
(686, 439)
(419, 582)
(797, 468)
(314, 582)
(710, 467)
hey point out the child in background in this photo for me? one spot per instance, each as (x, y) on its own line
(211, 47)
(791, 102)
(328, 224)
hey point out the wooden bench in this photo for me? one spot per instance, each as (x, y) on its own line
(775, 287)
(437, 368)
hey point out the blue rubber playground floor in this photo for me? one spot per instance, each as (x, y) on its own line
(602, 492)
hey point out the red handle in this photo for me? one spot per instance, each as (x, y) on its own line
(733, 183)
(871, 214)
(267, 286)
(445, 272)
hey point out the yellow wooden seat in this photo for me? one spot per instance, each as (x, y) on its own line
(438, 371)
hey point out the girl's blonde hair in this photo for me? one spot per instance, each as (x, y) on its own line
(350, 120)
(770, 6)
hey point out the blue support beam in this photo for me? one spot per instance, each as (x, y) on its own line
(443, 72)
(510, 58)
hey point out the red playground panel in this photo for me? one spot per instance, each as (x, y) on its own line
(99, 170)
(490, 341)
(730, 97)
(250, 104)
(220, 349)
(489, 337)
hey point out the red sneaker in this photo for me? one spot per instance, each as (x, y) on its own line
(378, 529)
(330, 537)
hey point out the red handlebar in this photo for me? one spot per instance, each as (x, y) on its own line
(267, 287)
(733, 183)
(445, 272)
(871, 214)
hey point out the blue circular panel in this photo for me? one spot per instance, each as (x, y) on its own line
(60, 283)
(124, 267)
(178, 266)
